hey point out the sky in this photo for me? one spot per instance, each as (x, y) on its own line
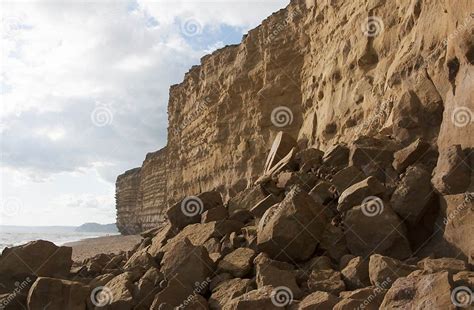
(84, 92)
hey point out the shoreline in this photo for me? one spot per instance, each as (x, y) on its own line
(89, 247)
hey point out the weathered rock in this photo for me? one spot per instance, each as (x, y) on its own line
(318, 300)
(419, 291)
(288, 179)
(256, 299)
(319, 263)
(189, 210)
(308, 159)
(215, 214)
(263, 205)
(347, 177)
(410, 155)
(218, 279)
(389, 237)
(322, 192)
(246, 199)
(147, 287)
(101, 280)
(40, 258)
(368, 151)
(333, 242)
(327, 281)
(356, 273)
(413, 195)
(212, 245)
(187, 263)
(176, 294)
(141, 260)
(452, 174)
(56, 294)
(292, 229)
(118, 292)
(238, 263)
(451, 265)
(336, 156)
(160, 239)
(227, 291)
(355, 194)
(281, 146)
(365, 298)
(383, 268)
(464, 278)
(269, 274)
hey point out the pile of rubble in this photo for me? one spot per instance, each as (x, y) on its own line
(349, 228)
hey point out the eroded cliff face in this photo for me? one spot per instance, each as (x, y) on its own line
(325, 72)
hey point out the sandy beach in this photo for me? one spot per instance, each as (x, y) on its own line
(110, 244)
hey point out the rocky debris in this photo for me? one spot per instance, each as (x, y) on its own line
(409, 155)
(49, 293)
(187, 263)
(246, 199)
(189, 210)
(333, 242)
(376, 231)
(356, 273)
(292, 229)
(216, 214)
(364, 298)
(347, 177)
(413, 195)
(318, 300)
(452, 174)
(238, 263)
(322, 192)
(355, 194)
(385, 269)
(451, 265)
(229, 290)
(420, 291)
(327, 281)
(257, 299)
(120, 291)
(309, 159)
(263, 205)
(39, 258)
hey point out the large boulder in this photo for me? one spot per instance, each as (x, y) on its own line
(368, 298)
(376, 229)
(189, 210)
(326, 280)
(57, 294)
(347, 177)
(264, 298)
(187, 263)
(246, 199)
(118, 292)
(318, 300)
(356, 273)
(410, 155)
(413, 195)
(420, 291)
(238, 263)
(357, 193)
(228, 290)
(40, 258)
(383, 268)
(451, 265)
(452, 174)
(336, 156)
(292, 229)
(147, 287)
(177, 295)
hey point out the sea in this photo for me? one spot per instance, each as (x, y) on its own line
(59, 235)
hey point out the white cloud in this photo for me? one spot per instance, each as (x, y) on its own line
(62, 61)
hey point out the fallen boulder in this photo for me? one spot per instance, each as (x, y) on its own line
(385, 269)
(357, 193)
(452, 174)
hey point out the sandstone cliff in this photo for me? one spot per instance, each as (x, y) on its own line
(324, 72)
